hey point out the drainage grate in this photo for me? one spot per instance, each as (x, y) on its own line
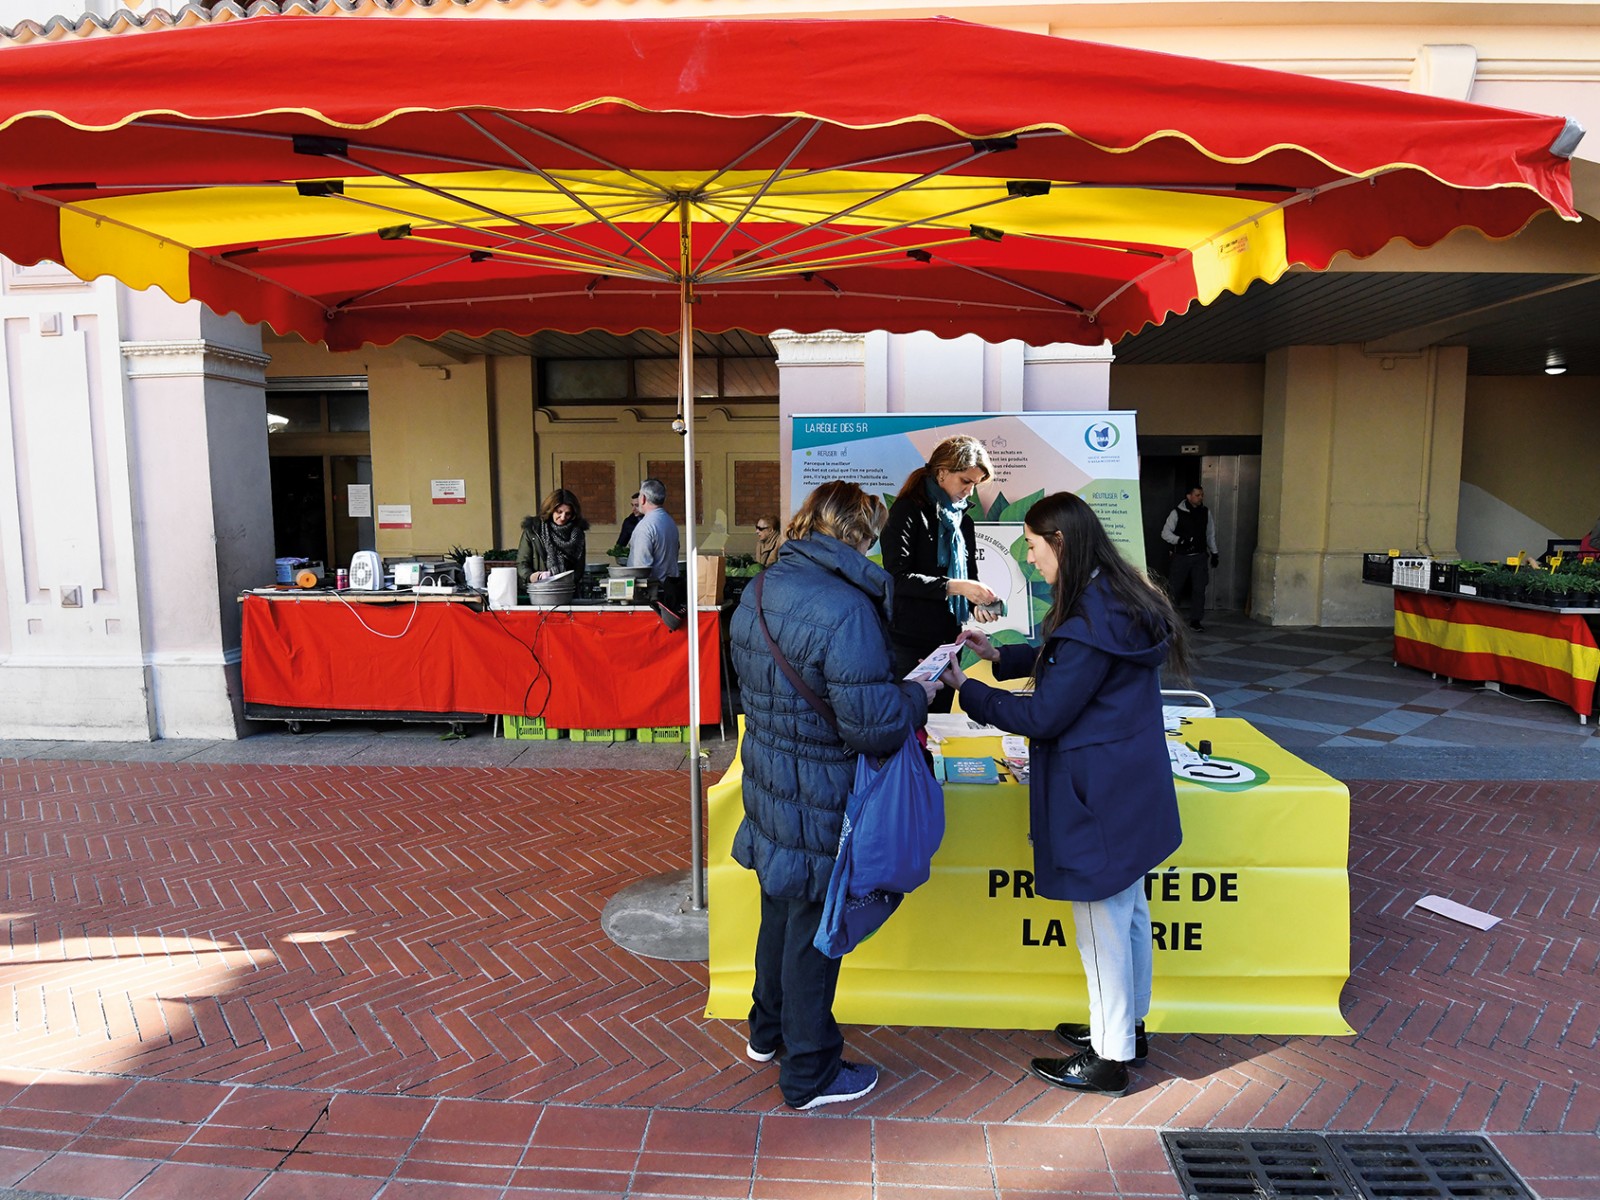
(1257, 1166)
(1427, 1168)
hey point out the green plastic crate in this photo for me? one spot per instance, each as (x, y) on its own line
(527, 729)
(599, 735)
(664, 733)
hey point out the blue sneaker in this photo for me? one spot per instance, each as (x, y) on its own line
(853, 1081)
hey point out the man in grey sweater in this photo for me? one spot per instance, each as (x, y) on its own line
(655, 542)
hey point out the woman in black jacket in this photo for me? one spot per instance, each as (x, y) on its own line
(931, 550)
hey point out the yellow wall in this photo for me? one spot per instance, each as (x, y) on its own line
(511, 382)
(426, 428)
(1358, 453)
(1531, 443)
(1218, 401)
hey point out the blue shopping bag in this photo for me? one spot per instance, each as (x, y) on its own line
(893, 824)
(897, 823)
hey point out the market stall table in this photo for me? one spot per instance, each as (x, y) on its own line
(329, 654)
(1551, 651)
(1251, 916)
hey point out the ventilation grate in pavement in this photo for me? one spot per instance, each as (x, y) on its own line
(1427, 1168)
(1256, 1166)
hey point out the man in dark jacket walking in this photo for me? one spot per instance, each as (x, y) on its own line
(1192, 534)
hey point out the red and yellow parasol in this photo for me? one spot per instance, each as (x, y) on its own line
(359, 181)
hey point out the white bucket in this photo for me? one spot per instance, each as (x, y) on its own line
(503, 587)
(472, 568)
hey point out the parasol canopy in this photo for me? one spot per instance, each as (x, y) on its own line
(360, 180)
(363, 180)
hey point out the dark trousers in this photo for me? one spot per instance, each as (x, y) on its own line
(793, 998)
(906, 657)
(1195, 571)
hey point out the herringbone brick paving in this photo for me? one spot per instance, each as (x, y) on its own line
(275, 982)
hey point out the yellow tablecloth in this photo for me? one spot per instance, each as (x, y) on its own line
(1252, 914)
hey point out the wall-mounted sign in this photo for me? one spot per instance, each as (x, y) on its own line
(449, 491)
(394, 516)
(359, 498)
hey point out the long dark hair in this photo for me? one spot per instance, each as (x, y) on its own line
(1080, 544)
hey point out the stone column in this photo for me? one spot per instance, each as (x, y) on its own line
(1358, 453)
(202, 501)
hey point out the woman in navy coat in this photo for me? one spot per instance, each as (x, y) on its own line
(1103, 809)
(826, 606)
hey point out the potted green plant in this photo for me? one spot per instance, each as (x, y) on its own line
(1535, 587)
(1495, 583)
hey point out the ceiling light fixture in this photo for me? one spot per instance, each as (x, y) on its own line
(276, 424)
(1554, 364)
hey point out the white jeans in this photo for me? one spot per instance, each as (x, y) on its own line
(1114, 941)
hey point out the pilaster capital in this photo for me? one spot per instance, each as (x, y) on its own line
(820, 349)
(195, 358)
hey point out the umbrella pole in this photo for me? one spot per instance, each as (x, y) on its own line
(697, 877)
(653, 917)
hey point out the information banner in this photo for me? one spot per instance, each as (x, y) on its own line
(1093, 454)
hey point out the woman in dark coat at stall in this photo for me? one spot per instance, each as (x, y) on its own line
(827, 607)
(931, 549)
(1103, 809)
(555, 540)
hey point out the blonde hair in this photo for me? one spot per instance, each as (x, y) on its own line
(839, 510)
(954, 454)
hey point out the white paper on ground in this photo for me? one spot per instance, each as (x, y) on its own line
(1458, 912)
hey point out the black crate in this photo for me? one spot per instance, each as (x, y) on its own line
(1375, 568)
(1442, 577)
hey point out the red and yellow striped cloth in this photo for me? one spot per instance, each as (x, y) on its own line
(1551, 653)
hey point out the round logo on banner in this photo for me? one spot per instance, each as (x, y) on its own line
(1102, 435)
(1222, 774)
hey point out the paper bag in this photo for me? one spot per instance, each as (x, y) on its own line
(711, 574)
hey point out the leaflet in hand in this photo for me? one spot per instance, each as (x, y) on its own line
(934, 665)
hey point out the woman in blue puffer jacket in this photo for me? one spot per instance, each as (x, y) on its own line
(827, 607)
(1102, 806)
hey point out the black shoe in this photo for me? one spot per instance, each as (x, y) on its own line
(1197, 627)
(1077, 1036)
(1086, 1072)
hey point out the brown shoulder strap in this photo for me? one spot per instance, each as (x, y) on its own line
(824, 709)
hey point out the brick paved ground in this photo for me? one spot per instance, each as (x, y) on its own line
(280, 982)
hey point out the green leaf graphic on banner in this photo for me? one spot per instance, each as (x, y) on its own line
(1019, 509)
(998, 507)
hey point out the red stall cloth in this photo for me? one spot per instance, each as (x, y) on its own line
(1551, 653)
(578, 669)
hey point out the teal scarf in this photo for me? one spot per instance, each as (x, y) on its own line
(952, 546)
